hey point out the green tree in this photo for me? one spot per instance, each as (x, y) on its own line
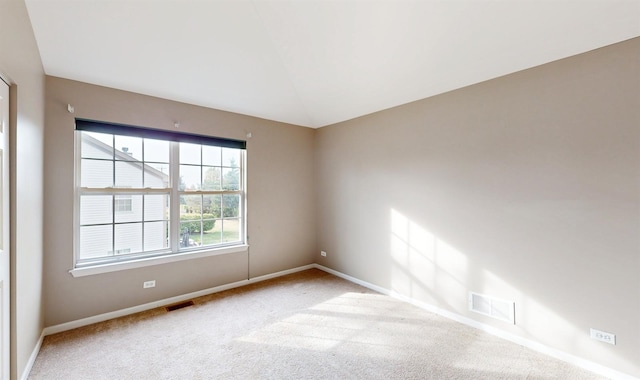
(211, 205)
(231, 181)
(212, 179)
(194, 224)
(232, 177)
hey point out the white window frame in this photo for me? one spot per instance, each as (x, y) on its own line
(173, 252)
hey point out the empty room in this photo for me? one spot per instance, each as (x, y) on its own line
(319, 189)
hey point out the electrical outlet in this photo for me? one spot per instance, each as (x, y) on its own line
(603, 336)
(149, 284)
(323, 253)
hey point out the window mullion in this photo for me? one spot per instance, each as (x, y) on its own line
(174, 199)
(142, 222)
(77, 196)
(243, 197)
(123, 190)
(113, 197)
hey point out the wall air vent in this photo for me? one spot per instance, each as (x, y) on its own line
(492, 307)
(179, 305)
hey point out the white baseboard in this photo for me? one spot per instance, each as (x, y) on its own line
(164, 302)
(549, 351)
(32, 358)
(281, 273)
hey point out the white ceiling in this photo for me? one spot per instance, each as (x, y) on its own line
(314, 63)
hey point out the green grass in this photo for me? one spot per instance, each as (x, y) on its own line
(217, 236)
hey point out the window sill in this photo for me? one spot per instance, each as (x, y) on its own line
(145, 262)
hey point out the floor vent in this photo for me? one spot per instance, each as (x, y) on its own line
(492, 307)
(179, 305)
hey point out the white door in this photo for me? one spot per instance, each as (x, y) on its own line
(4, 230)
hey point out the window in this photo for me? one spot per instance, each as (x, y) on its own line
(123, 203)
(148, 193)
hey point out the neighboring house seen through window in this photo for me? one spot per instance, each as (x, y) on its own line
(144, 192)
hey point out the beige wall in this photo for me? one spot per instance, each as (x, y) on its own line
(20, 64)
(524, 188)
(281, 219)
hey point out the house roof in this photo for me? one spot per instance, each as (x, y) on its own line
(314, 63)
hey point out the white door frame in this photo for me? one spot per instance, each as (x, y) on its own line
(5, 248)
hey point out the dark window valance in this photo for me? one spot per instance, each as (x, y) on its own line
(156, 134)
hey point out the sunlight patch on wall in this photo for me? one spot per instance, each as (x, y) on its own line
(424, 266)
(535, 318)
(429, 270)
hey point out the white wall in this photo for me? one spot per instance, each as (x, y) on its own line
(20, 63)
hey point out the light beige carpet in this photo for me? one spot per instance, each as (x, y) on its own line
(309, 325)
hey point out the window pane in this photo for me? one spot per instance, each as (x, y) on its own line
(97, 145)
(156, 236)
(231, 157)
(230, 179)
(211, 178)
(190, 178)
(96, 173)
(128, 238)
(214, 234)
(156, 207)
(211, 206)
(190, 154)
(190, 234)
(156, 151)
(156, 176)
(96, 209)
(128, 174)
(95, 241)
(128, 208)
(190, 204)
(211, 155)
(231, 205)
(208, 236)
(190, 220)
(231, 230)
(208, 225)
(128, 148)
